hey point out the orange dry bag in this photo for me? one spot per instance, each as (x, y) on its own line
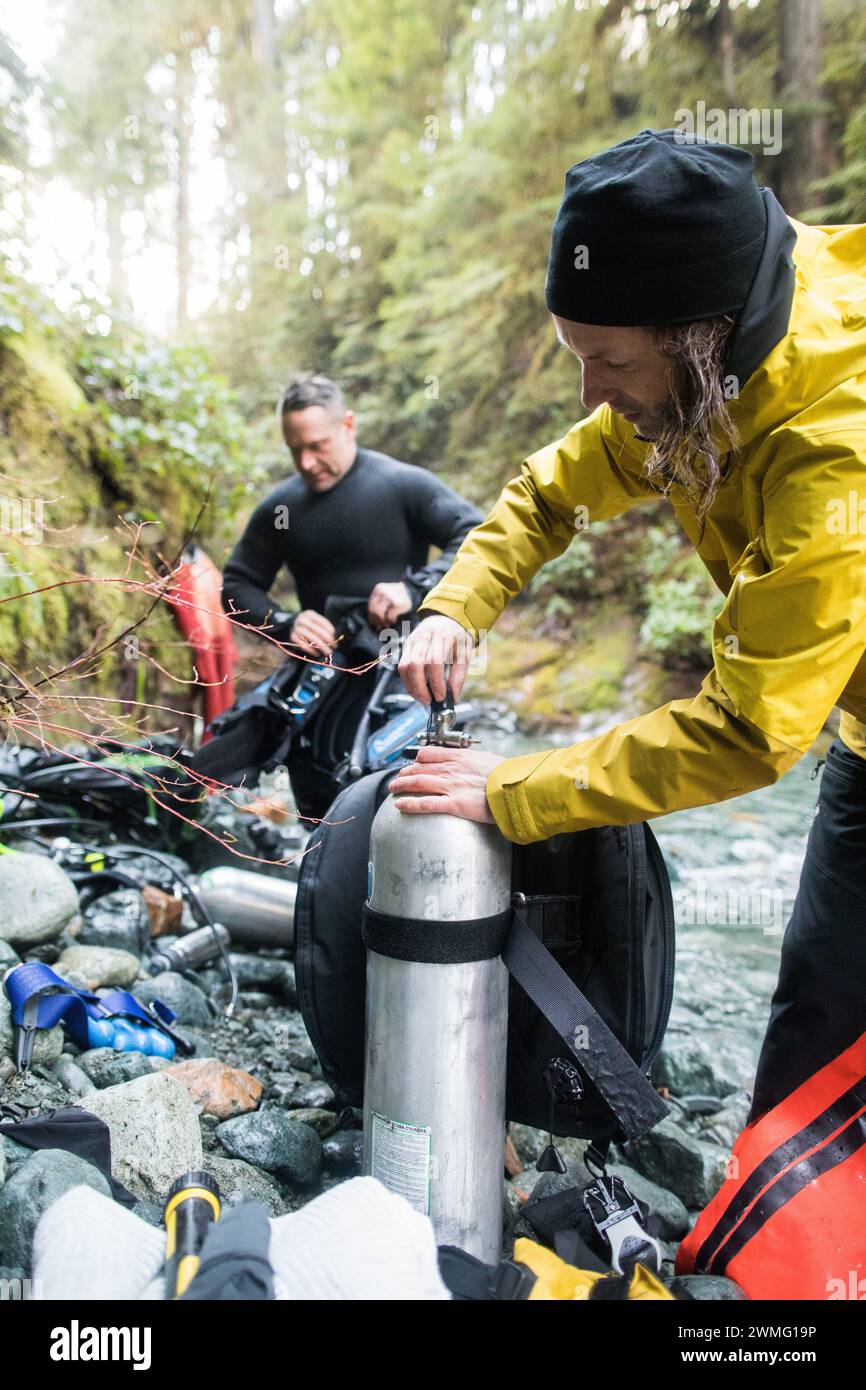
(790, 1220)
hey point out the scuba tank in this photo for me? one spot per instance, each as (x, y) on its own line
(257, 909)
(437, 1014)
(199, 946)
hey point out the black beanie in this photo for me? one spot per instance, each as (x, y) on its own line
(673, 229)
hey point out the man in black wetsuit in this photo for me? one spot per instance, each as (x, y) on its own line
(350, 523)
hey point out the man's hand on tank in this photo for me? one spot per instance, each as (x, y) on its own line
(446, 781)
(387, 603)
(437, 642)
(312, 632)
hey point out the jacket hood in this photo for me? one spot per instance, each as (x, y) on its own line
(764, 318)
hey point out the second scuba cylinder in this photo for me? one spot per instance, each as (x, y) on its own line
(437, 1003)
(257, 909)
(189, 951)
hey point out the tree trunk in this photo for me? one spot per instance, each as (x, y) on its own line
(726, 34)
(183, 83)
(804, 134)
(116, 275)
(264, 46)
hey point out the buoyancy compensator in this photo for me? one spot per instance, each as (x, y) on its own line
(589, 943)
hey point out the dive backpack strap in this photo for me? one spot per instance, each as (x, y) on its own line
(614, 1072)
(469, 1279)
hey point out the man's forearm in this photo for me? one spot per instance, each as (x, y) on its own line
(253, 606)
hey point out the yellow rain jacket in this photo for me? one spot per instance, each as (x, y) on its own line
(785, 542)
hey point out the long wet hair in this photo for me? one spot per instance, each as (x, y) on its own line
(685, 450)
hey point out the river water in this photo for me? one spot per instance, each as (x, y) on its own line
(734, 869)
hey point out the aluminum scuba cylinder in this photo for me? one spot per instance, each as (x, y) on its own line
(189, 951)
(257, 909)
(434, 1093)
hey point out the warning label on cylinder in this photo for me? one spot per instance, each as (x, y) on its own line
(401, 1160)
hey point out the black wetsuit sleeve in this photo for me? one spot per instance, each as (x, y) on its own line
(252, 568)
(441, 517)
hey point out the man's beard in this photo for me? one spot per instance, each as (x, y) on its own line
(650, 426)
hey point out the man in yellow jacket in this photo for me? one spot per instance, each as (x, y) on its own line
(723, 351)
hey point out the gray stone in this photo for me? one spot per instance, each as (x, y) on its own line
(251, 1000)
(324, 1122)
(154, 1132)
(709, 1287)
(31, 1190)
(707, 1061)
(47, 1042)
(529, 1143)
(269, 1139)
(99, 966)
(2, 1163)
(14, 1154)
(262, 973)
(105, 1067)
(240, 1182)
(8, 956)
(343, 1152)
(117, 920)
(726, 1125)
(186, 999)
(668, 1218)
(37, 899)
(70, 1075)
(151, 1212)
(690, 1168)
(315, 1096)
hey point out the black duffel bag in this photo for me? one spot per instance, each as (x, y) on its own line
(592, 938)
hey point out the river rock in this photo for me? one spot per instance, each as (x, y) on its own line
(8, 956)
(324, 1122)
(71, 1075)
(99, 966)
(343, 1152)
(14, 1154)
(105, 1067)
(47, 1042)
(726, 1125)
(37, 899)
(31, 1190)
(163, 909)
(240, 1182)
(707, 1061)
(317, 1095)
(269, 1139)
(154, 1130)
(186, 999)
(530, 1143)
(709, 1287)
(216, 1088)
(263, 973)
(117, 921)
(690, 1168)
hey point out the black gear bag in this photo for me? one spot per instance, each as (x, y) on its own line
(591, 942)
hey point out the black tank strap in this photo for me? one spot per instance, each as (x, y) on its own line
(620, 1081)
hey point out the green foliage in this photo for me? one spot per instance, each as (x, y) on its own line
(681, 608)
(169, 439)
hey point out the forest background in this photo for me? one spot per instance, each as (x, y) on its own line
(200, 198)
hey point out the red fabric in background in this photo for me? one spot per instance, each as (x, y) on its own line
(197, 605)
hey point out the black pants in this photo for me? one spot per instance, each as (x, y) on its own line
(819, 1007)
